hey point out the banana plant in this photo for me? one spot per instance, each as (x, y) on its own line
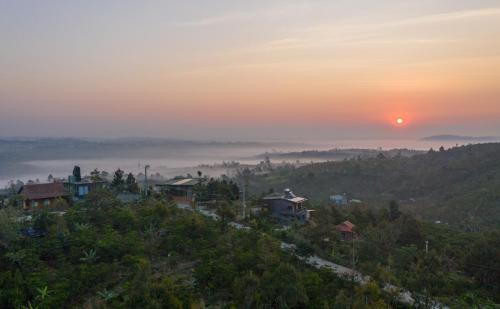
(89, 256)
(107, 295)
(79, 227)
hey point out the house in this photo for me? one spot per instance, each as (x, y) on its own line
(180, 189)
(346, 230)
(287, 208)
(40, 195)
(339, 199)
(79, 188)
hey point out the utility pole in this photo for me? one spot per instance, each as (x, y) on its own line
(245, 189)
(146, 167)
(353, 261)
(244, 201)
(352, 274)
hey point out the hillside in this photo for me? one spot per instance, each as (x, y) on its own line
(337, 154)
(450, 137)
(459, 186)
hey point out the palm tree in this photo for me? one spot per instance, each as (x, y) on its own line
(89, 256)
(107, 295)
(82, 226)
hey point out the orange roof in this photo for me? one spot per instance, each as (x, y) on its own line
(346, 226)
(43, 190)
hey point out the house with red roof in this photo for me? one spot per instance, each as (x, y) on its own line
(38, 195)
(346, 230)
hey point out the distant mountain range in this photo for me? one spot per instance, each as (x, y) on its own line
(450, 137)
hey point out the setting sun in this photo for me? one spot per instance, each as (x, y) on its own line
(399, 121)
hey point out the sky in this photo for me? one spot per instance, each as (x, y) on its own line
(259, 69)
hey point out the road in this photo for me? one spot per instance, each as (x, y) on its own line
(317, 262)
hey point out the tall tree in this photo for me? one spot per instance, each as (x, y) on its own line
(118, 181)
(394, 212)
(95, 175)
(132, 185)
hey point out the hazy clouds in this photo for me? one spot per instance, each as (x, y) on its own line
(249, 69)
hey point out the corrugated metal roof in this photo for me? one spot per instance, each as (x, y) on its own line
(181, 182)
(286, 196)
(297, 199)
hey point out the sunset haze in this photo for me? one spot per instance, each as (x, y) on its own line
(249, 69)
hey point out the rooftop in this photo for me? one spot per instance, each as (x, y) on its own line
(43, 190)
(287, 195)
(346, 226)
(181, 182)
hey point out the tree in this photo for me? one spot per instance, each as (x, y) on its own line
(106, 295)
(132, 185)
(483, 262)
(9, 228)
(426, 278)
(95, 175)
(118, 181)
(369, 296)
(342, 300)
(89, 256)
(226, 212)
(59, 204)
(394, 212)
(267, 163)
(246, 290)
(283, 288)
(411, 231)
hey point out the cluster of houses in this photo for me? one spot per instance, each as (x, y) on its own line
(38, 195)
(286, 208)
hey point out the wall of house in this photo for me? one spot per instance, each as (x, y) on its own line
(286, 211)
(38, 203)
(281, 207)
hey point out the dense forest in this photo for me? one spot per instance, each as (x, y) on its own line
(104, 254)
(459, 186)
(435, 262)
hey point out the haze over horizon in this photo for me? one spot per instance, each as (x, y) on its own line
(250, 69)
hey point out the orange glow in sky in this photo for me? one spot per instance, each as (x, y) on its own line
(174, 68)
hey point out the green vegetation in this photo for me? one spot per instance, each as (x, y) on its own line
(103, 254)
(458, 268)
(459, 186)
(402, 198)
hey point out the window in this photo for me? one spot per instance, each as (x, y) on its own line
(46, 203)
(34, 204)
(83, 190)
